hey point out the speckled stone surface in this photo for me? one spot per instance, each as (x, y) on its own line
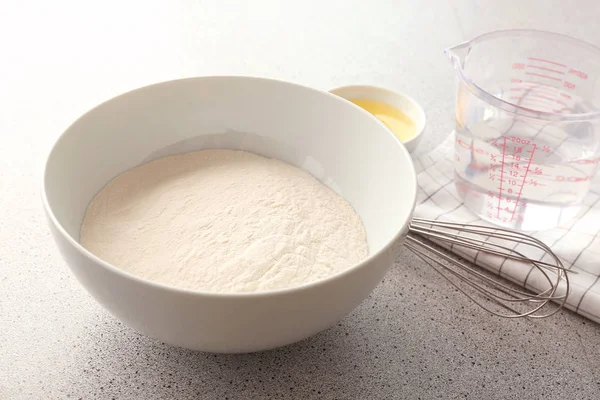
(413, 338)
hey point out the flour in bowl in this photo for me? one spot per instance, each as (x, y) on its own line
(223, 221)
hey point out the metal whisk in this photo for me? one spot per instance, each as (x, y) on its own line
(486, 290)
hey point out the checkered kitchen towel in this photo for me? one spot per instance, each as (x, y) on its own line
(577, 243)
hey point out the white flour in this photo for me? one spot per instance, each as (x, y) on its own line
(223, 221)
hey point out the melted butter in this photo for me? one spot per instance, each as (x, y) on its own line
(398, 122)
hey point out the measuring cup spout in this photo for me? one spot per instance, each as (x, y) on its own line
(458, 53)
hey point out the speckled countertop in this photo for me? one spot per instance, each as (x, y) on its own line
(414, 338)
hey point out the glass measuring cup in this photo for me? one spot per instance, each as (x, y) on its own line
(527, 126)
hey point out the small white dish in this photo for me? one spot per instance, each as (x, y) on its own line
(401, 101)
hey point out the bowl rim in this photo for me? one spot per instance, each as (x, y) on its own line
(373, 88)
(400, 231)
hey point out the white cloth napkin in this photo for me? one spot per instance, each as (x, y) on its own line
(577, 243)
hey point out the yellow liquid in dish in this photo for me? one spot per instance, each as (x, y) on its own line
(398, 122)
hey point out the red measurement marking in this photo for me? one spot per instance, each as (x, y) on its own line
(546, 61)
(501, 174)
(528, 100)
(542, 89)
(541, 84)
(476, 168)
(537, 101)
(523, 184)
(539, 108)
(540, 105)
(579, 73)
(536, 108)
(545, 69)
(571, 178)
(588, 161)
(543, 95)
(551, 99)
(543, 76)
(516, 89)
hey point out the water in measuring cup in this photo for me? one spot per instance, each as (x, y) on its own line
(528, 126)
(518, 179)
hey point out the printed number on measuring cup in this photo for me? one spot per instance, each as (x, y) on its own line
(519, 140)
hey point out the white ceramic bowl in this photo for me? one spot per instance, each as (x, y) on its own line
(339, 143)
(401, 101)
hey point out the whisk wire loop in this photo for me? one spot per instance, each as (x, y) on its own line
(491, 291)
